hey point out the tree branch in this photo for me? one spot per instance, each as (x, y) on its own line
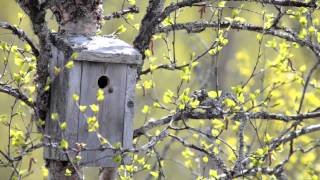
(16, 93)
(292, 135)
(118, 14)
(154, 17)
(220, 114)
(195, 27)
(21, 34)
(148, 24)
(220, 164)
(287, 3)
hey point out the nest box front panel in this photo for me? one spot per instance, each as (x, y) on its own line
(111, 78)
(63, 86)
(102, 63)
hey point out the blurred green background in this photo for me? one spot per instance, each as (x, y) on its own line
(234, 62)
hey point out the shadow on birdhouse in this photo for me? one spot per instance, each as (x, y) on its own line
(91, 100)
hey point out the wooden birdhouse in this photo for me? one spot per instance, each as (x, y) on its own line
(74, 127)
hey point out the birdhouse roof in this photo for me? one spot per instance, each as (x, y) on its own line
(104, 49)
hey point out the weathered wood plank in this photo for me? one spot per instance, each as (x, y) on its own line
(48, 152)
(107, 58)
(89, 88)
(129, 109)
(112, 119)
(73, 83)
(111, 111)
(63, 86)
(129, 106)
(56, 100)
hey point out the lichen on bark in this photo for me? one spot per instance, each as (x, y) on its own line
(78, 16)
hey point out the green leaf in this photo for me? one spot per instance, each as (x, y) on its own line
(167, 97)
(132, 2)
(195, 103)
(63, 126)
(205, 159)
(56, 71)
(303, 20)
(121, 29)
(117, 159)
(69, 64)
(74, 55)
(17, 137)
(229, 102)
(145, 109)
(167, 22)
(27, 47)
(20, 15)
(75, 97)
(100, 95)
(68, 172)
(148, 84)
(222, 4)
(54, 116)
(94, 108)
(93, 124)
(82, 108)
(45, 171)
(155, 174)
(148, 53)
(213, 173)
(64, 144)
(267, 138)
(214, 94)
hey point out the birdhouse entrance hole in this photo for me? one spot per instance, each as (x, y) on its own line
(103, 82)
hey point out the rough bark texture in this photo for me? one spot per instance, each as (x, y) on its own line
(108, 174)
(79, 16)
(58, 171)
(36, 13)
(148, 25)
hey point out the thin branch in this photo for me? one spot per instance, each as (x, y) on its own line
(16, 93)
(287, 3)
(313, 69)
(293, 135)
(118, 14)
(21, 34)
(282, 117)
(189, 3)
(196, 115)
(220, 164)
(238, 164)
(287, 34)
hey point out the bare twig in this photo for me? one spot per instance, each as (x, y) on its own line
(118, 14)
(21, 34)
(16, 93)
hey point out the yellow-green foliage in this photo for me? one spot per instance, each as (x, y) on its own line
(245, 71)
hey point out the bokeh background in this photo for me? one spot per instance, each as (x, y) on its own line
(236, 62)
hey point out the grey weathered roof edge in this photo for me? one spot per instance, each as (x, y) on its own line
(103, 49)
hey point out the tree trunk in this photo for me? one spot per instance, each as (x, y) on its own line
(81, 17)
(57, 171)
(108, 174)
